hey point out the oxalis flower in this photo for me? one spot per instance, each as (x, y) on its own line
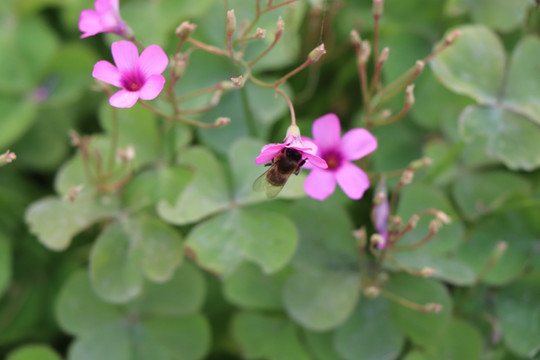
(105, 18)
(306, 147)
(139, 77)
(338, 152)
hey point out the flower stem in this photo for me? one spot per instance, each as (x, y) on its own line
(289, 102)
(180, 119)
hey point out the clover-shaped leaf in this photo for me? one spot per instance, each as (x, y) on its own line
(128, 251)
(165, 320)
(33, 352)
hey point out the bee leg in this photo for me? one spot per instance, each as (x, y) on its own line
(298, 168)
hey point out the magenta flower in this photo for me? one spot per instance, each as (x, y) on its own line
(380, 213)
(306, 147)
(139, 77)
(105, 18)
(338, 152)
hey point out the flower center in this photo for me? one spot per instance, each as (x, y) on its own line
(333, 160)
(133, 81)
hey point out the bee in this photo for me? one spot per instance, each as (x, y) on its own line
(287, 162)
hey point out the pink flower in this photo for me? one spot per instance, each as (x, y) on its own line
(380, 213)
(139, 77)
(105, 18)
(307, 149)
(338, 152)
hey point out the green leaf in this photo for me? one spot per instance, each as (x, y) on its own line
(453, 271)
(511, 137)
(55, 221)
(473, 65)
(33, 352)
(137, 127)
(161, 324)
(461, 341)
(518, 309)
(126, 250)
(206, 194)
(418, 197)
(322, 345)
(369, 333)
(223, 242)
(516, 230)
(250, 288)
(500, 15)
(424, 329)
(267, 337)
(5, 263)
(18, 116)
(479, 194)
(321, 300)
(151, 186)
(524, 79)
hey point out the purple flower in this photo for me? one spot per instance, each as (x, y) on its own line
(139, 77)
(380, 213)
(338, 152)
(305, 146)
(105, 18)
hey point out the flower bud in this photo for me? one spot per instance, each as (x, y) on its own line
(260, 33)
(378, 8)
(75, 138)
(384, 56)
(371, 292)
(433, 308)
(409, 96)
(222, 121)
(179, 65)
(185, 29)
(419, 66)
(407, 176)
(453, 36)
(238, 82)
(231, 22)
(427, 272)
(378, 241)
(127, 154)
(413, 222)
(279, 27)
(420, 163)
(7, 157)
(360, 236)
(365, 51)
(355, 38)
(74, 191)
(316, 53)
(435, 225)
(395, 221)
(445, 219)
(385, 114)
(227, 85)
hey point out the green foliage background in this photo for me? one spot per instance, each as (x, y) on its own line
(186, 262)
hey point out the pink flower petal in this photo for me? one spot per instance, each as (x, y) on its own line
(308, 143)
(268, 152)
(153, 60)
(125, 55)
(107, 72)
(316, 161)
(352, 180)
(357, 143)
(103, 6)
(320, 184)
(124, 99)
(326, 131)
(152, 87)
(89, 23)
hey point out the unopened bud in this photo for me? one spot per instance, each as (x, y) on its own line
(450, 38)
(179, 65)
(75, 138)
(316, 53)
(378, 8)
(365, 51)
(419, 66)
(420, 163)
(385, 114)
(395, 221)
(227, 85)
(433, 308)
(371, 292)
(222, 121)
(413, 222)
(377, 240)
(7, 157)
(231, 22)
(355, 38)
(216, 97)
(260, 33)
(73, 192)
(384, 56)
(379, 197)
(279, 27)
(445, 219)
(409, 96)
(185, 29)
(360, 236)
(435, 225)
(238, 82)
(127, 154)
(427, 272)
(407, 176)
(501, 247)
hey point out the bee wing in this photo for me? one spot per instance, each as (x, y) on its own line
(273, 191)
(261, 183)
